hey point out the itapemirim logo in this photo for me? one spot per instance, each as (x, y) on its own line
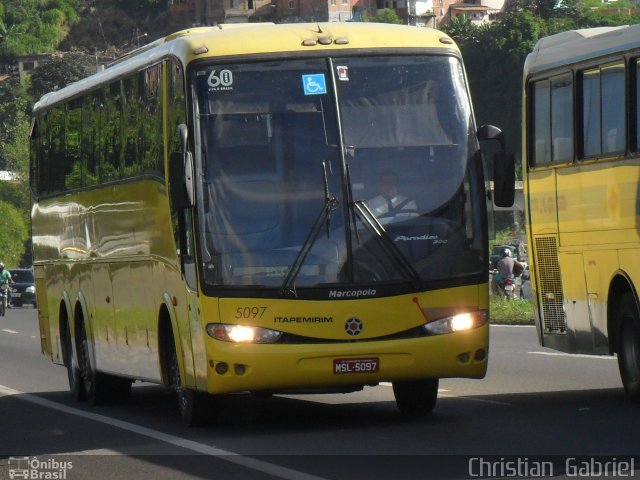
(32, 468)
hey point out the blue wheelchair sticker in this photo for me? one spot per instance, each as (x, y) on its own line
(314, 84)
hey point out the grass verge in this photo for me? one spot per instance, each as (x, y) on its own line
(510, 312)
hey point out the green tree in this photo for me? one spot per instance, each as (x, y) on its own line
(610, 17)
(462, 30)
(60, 71)
(545, 9)
(118, 26)
(494, 58)
(14, 104)
(388, 15)
(14, 145)
(34, 26)
(13, 233)
(16, 155)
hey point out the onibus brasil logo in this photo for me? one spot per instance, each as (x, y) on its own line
(36, 469)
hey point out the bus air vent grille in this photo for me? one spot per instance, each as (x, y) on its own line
(551, 296)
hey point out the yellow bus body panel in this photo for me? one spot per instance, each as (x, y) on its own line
(265, 38)
(309, 365)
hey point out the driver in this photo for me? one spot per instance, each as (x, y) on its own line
(388, 202)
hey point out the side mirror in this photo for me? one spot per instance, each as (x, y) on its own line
(489, 132)
(181, 177)
(504, 167)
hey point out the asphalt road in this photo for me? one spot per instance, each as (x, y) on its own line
(534, 406)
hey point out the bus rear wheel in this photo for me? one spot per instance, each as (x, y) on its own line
(99, 388)
(416, 397)
(192, 404)
(628, 346)
(73, 370)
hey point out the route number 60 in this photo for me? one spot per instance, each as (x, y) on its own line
(224, 78)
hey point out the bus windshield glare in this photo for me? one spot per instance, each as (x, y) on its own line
(354, 170)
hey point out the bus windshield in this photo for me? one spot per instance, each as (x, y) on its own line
(355, 170)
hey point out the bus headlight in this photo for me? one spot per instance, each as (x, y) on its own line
(242, 333)
(456, 323)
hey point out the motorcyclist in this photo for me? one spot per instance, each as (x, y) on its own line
(5, 279)
(506, 266)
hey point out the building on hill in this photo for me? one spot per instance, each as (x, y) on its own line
(428, 13)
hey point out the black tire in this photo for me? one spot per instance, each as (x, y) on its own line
(99, 388)
(416, 398)
(73, 371)
(628, 346)
(192, 405)
(2, 307)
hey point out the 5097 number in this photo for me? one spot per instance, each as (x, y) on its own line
(250, 312)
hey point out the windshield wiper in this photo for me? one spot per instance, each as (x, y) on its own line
(359, 208)
(330, 204)
(371, 222)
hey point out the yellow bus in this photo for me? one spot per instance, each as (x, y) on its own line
(581, 151)
(265, 208)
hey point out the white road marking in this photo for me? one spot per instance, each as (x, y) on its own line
(574, 355)
(228, 456)
(473, 399)
(512, 326)
(9, 331)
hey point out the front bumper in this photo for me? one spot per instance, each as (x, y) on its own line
(289, 367)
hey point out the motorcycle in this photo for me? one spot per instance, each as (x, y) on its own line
(506, 287)
(4, 298)
(511, 287)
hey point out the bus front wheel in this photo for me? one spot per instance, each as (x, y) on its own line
(192, 404)
(416, 397)
(628, 346)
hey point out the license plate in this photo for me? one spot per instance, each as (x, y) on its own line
(16, 295)
(356, 365)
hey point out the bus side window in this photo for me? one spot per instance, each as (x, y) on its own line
(111, 133)
(562, 118)
(603, 111)
(636, 106)
(540, 135)
(613, 109)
